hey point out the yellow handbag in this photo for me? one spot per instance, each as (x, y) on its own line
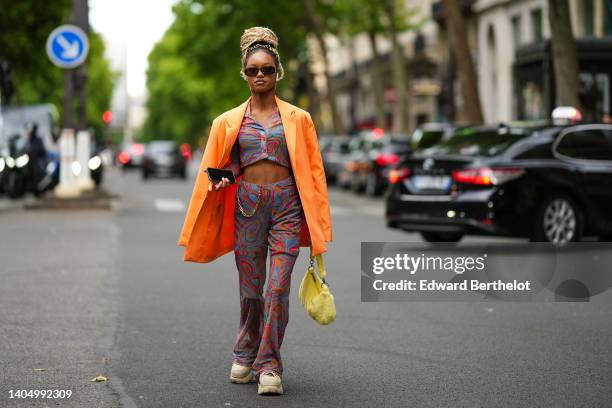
(315, 295)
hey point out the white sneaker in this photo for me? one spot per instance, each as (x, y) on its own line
(240, 374)
(269, 383)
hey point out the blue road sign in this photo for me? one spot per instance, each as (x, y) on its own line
(67, 46)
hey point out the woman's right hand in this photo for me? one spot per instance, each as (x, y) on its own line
(223, 183)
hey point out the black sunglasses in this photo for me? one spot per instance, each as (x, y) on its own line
(252, 72)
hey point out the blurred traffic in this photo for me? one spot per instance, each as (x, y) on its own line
(548, 181)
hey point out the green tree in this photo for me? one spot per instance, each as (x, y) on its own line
(319, 18)
(387, 18)
(193, 72)
(25, 26)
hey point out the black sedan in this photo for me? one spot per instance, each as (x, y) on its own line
(547, 183)
(164, 158)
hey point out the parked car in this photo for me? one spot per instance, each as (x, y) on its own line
(372, 155)
(335, 151)
(164, 158)
(130, 155)
(547, 182)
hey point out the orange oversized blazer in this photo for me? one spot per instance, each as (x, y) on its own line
(208, 229)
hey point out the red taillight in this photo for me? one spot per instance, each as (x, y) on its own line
(124, 157)
(137, 149)
(387, 159)
(378, 133)
(485, 176)
(186, 151)
(397, 175)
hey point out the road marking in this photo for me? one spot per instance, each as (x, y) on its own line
(169, 205)
(377, 211)
(341, 211)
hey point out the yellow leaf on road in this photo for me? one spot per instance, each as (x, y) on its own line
(99, 378)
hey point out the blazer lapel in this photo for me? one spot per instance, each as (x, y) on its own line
(287, 113)
(232, 127)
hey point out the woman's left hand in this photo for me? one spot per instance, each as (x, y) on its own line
(223, 183)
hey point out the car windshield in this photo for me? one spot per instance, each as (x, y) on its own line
(341, 146)
(423, 139)
(161, 147)
(479, 142)
(397, 146)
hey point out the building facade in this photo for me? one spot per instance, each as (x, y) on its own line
(510, 45)
(514, 59)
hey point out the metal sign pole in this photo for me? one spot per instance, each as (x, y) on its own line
(68, 47)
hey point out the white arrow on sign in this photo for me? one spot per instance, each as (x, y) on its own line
(71, 50)
(65, 51)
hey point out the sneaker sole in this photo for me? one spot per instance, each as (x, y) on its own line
(242, 380)
(270, 389)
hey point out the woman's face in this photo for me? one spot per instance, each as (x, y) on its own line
(261, 83)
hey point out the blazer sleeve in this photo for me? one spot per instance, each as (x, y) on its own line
(200, 188)
(318, 173)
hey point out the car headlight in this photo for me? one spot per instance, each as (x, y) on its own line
(10, 162)
(51, 166)
(94, 163)
(22, 160)
(1, 164)
(76, 168)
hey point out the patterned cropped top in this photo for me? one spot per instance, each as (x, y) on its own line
(256, 142)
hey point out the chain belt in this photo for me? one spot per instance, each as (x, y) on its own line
(256, 205)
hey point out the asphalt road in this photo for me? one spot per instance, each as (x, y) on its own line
(89, 293)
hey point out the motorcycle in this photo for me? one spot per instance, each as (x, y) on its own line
(20, 172)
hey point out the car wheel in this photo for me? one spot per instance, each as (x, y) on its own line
(441, 236)
(371, 187)
(559, 221)
(145, 175)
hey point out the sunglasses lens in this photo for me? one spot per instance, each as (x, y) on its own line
(251, 72)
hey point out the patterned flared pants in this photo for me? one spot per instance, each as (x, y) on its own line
(276, 224)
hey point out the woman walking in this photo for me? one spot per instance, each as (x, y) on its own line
(278, 204)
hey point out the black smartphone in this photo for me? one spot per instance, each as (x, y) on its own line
(215, 175)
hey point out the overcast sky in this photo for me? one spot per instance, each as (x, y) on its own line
(138, 23)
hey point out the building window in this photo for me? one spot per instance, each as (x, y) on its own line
(536, 24)
(587, 15)
(516, 30)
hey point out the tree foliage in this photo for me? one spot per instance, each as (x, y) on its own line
(25, 26)
(193, 73)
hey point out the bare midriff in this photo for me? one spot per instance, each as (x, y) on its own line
(265, 172)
